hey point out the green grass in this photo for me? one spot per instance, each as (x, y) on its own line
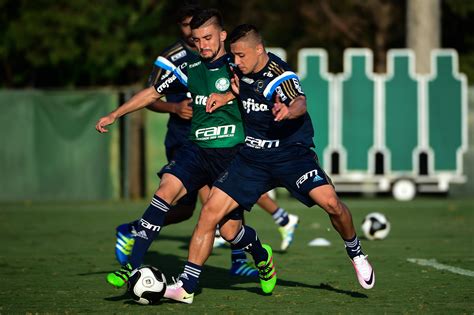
(55, 256)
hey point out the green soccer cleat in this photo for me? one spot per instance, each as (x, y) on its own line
(267, 272)
(119, 278)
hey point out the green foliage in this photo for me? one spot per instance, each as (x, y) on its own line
(458, 18)
(59, 43)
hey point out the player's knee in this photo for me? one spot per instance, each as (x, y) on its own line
(333, 206)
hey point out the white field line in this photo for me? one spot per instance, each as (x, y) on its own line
(433, 263)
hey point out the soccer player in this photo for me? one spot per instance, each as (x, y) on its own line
(179, 125)
(216, 138)
(277, 152)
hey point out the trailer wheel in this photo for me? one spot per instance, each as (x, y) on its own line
(404, 190)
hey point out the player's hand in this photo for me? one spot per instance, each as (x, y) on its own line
(280, 110)
(184, 110)
(235, 83)
(216, 100)
(105, 121)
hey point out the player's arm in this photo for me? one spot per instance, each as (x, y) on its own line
(138, 101)
(216, 100)
(296, 108)
(290, 100)
(182, 109)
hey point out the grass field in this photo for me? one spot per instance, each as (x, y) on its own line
(55, 256)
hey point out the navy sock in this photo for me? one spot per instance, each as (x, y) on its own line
(190, 276)
(247, 240)
(281, 217)
(147, 229)
(353, 247)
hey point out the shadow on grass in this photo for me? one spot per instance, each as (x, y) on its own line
(214, 277)
(218, 277)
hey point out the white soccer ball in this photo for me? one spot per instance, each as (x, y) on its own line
(375, 226)
(147, 285)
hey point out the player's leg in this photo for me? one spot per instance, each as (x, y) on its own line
(240, 266)
(126, 232)
(341, 218)
(213, 212)
(203, 195)
(182, 211)
(287, 222)
(185, 164)
(305, 179)
(245, 238)
(149, 226)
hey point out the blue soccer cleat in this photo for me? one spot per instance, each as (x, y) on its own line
(243, 268)
(124, 244)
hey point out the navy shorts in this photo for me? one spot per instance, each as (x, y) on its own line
(247, 179)
(196, 167)
(190, 199)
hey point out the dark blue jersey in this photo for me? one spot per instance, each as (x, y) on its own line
(257, 95)
(178, 129)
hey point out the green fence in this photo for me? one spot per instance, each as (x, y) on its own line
(372, 130)
(49, 149)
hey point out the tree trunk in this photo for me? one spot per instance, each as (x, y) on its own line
(423, 30)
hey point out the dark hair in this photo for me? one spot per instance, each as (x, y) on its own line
(242, 30)
(205, 15)
(187, 10)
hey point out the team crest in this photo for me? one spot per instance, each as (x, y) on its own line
(222, 84)
(258, 87)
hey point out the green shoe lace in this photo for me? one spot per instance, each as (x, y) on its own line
(120, 277)
(267, 272)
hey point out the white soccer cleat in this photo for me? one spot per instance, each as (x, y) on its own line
(364, 271)
(287, 232)
(176, 292)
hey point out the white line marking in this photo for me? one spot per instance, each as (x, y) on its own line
(433, 263)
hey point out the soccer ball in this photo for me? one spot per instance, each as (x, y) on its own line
(147, 285)
(375, 226)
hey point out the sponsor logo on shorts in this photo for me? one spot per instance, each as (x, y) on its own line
(250, 105)
(218, 132)
(223, 177)
(302, 179)
(261, 143)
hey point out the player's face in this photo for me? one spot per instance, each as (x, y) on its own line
(186, 30)
(246, 56)
(209, 40)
